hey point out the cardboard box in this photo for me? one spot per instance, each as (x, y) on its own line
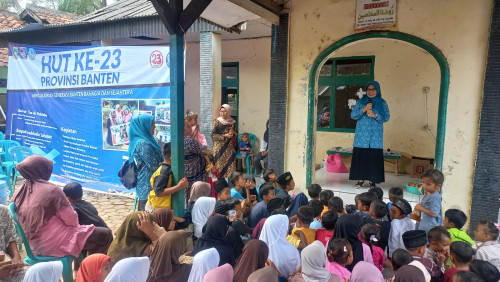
(419, 166)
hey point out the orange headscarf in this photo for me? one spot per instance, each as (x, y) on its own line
(90, 269)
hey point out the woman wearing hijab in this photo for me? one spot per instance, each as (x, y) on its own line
(129, 270)
(110, 122)
(94, 268)
(47, 218)
(132, 241)
(263, 153)
(313, 258)
(198, 190)
(203, 262)
(165, 265)
(215, 237)
(44, 271)
(348, 227)
(194, 164)
(203, 208)
(284, 255)
(370, 112)
(127, 115)
(223, 273)
(366, 272)
(253, 257)
(224, 130)
(267, 274)
(409, 273)
(118, 114)
(144, 149)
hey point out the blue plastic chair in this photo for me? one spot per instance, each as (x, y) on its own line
(2, 136)
(248, 159)
(17, 155)
(8, 165)
(33, 259)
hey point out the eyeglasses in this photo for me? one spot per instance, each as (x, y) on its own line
(371, 89)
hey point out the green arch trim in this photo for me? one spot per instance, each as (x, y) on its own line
(443, 90)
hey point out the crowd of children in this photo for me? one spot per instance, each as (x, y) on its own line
(250, 233)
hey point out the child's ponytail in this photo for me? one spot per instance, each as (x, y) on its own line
(370, 234)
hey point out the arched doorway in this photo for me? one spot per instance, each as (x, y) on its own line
(443, 90)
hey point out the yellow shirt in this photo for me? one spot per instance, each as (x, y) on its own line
(159, 182)
(325, 209)
(295, 240)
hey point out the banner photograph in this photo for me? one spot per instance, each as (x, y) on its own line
(75, 103)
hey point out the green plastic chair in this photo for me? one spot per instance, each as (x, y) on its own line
(8, 165)
(17, 155)
(33, 259)
(252, 139)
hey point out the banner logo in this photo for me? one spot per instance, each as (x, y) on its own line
(156, 59)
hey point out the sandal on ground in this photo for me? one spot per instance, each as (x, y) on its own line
(372, 184)
(360, 184)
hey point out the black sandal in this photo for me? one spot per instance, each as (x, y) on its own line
(360, 184)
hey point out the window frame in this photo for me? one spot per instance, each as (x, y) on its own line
(334, 81)
(232, 82)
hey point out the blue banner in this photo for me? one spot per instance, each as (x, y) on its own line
(74, 105)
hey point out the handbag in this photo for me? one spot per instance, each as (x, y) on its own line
(128, 174)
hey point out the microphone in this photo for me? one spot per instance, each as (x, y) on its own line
(369, 100)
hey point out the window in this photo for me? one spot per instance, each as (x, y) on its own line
(230, 85)
(341, 83)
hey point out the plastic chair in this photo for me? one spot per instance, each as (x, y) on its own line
(33, 259)
(2, 136)
(17, 155)
(248, 159)
(8, 165)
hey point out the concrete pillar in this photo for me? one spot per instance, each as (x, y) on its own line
(210, 81)
(278, 95)
(485, 203)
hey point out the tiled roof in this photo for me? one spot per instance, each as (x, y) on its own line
(9, 21)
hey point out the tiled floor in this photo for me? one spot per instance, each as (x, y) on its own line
(344, 188)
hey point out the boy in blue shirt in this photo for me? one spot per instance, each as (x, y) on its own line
(430, 207)
(245, 149)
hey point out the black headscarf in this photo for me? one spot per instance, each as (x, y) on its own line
(348, 227)
(214, 237)
(266, 133)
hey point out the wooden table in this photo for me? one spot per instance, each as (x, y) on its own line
(388, 155)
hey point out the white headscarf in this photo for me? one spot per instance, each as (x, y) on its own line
(203, 262)
(202, 209)
(314, 263)
(284, 255)
(44, 271)
(135, 269)
(423, 269)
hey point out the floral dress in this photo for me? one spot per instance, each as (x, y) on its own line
(145, 152)
(7, 235)
(194, 164)
(224, 153)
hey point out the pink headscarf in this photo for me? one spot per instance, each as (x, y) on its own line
(228, 120)
(223, 273)
(38, 199)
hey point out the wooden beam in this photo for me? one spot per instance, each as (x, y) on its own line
(166, 14)
(271, 5)
(258, 10)
(192, 13)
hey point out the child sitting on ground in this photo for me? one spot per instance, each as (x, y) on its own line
(461, 255)
(454, 220)
(286, 185)
(245, 149)
(486, 270)
(222, 192)
(487, 233)
(161, 181)
(253, 190)
(399, 258)
(317, 208)
(335, 204)
(339, 254)
(370, 235)
(260, 210)
(415, 241)
(430, 207)
(378, 210)
(394, 194)
(324, 197)
(314, 190)
(269, 178)
(400, 223)
(377, 191)
(328, 220)
(363, 202)
(240, 184)
(438, 249)
(87, 213)
(301, 236)
(237, 219)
